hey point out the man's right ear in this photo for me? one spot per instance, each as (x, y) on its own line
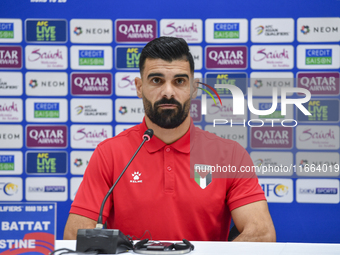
(138, 84)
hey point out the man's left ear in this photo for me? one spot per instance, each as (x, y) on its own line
(195, 88)
(138, 84)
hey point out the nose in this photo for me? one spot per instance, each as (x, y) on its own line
(168, 90)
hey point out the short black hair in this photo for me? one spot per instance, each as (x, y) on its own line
(168, 49)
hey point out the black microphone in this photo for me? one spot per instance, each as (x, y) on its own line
(107, 241)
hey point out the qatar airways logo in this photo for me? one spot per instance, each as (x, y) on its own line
(89, 136)
(46, 57)
(46, 136)
(135, 31)
(226, 57)
(272, 137)
(272, 57)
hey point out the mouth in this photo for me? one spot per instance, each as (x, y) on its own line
(167, 106)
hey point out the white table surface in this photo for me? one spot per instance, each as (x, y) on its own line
(240, 248)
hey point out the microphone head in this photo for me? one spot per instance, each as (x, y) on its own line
(148, 135)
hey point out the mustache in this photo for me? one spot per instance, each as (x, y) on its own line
(167, 101)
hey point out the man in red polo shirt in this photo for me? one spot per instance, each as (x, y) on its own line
(165, 189)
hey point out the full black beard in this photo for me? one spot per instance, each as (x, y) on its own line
(167, 118)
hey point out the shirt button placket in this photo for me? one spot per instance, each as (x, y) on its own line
(168, 169)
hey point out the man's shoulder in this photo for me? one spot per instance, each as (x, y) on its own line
(128, 135)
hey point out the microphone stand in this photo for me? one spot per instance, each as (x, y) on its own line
(107, 241)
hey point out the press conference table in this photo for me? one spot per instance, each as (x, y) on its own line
(240, 248)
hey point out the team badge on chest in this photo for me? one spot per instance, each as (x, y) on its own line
(203, 176)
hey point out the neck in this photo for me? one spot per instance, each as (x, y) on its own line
(168, 136)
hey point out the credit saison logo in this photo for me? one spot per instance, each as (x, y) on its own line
(46, 31)
(275, 115)
(46, 110)
(91, 57)
(46, 162)
(226, 30)
(128, 57)
(7, 162)
(318, 56)
(6, 30)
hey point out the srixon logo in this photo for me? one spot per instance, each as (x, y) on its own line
(46, 136)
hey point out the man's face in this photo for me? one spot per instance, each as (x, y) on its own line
(165, 89)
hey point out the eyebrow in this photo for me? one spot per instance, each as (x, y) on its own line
(162, 75)
(182, 75)
(155, 74)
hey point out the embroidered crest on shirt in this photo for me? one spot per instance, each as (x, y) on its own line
(136, 177)
(203, 176)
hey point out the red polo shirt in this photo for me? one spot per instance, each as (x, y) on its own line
(157, 191)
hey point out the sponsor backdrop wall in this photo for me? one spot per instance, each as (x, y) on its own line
(66, 84)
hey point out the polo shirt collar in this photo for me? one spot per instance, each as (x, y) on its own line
(155, 144)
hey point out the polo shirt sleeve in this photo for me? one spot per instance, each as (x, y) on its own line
(243, 187)
(96, 183)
